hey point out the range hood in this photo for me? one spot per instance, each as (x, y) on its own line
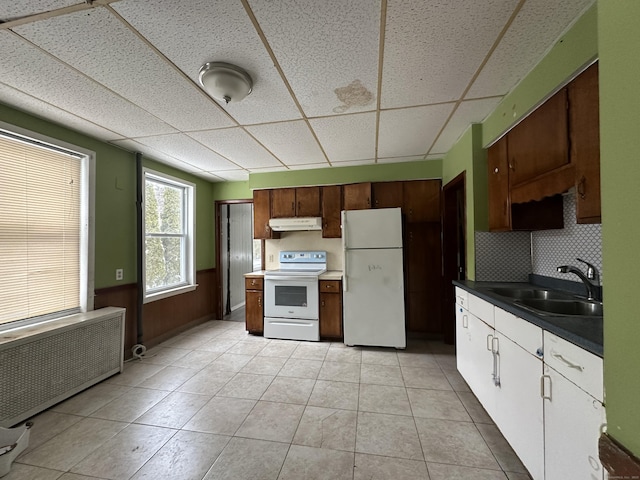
(295, 224)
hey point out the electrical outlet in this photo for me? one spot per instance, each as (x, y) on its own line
(119, 273)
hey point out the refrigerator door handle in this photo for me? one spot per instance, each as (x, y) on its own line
(343, 225)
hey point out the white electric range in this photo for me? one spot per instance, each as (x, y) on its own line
(291, 300)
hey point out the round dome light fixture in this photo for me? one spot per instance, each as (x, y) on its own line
(225, 82)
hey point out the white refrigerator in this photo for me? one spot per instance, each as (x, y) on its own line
(373, 280)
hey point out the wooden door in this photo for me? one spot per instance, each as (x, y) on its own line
(308, 202)
(283, 202)
(331, 207)
(584, 132)
(387, 194)
(262, 214)
(356, 196)
(539, 143)
(499, 203)
(254, 311)
(421, 200)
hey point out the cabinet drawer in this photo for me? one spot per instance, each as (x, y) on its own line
(462, 297)
(481, 309)
(521, 332)
(329, 286)
(576, 364)
(253, 283)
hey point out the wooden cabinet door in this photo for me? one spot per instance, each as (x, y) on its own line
(330, 309)
(421, 201)
(539, 143)
(356, 196)
(262, 214)
(387, 194)
(283, 202)
(584, 132)
(308, 202)
(499, 203)
(331, 207)
(254, 311)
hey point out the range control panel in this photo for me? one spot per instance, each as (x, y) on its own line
(303, 257)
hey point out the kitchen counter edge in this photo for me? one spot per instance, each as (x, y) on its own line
(588, 337)
(328, 275)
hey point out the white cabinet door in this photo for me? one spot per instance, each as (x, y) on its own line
(572, 420)
(518, 410)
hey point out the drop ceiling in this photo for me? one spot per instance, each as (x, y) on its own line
(336, 82)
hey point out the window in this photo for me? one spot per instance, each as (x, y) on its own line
(169, 267)
(46, 244)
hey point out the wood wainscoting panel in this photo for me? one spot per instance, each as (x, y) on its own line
(163, 318)
(617, 460)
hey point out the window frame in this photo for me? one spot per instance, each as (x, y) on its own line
(87, 223)
(188, 217)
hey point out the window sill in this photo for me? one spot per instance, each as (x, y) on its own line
(169, 293)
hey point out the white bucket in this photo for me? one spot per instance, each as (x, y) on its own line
(12, 442)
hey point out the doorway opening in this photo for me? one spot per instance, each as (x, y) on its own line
(454, 243)
(236, 255)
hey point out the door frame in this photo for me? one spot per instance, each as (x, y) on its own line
(219, 309)
(451, 248)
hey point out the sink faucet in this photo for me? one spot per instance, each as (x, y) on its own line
(590, 280)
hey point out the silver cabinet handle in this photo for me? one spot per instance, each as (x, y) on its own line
(495, 349)
(567, 362)
(489, 342)
(543, 389)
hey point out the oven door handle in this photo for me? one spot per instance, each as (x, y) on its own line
(291, 278)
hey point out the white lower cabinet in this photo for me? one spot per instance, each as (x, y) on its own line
(552, 423)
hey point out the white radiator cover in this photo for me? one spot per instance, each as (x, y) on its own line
(43, 365)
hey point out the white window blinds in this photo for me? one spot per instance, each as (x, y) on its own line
(40, 231)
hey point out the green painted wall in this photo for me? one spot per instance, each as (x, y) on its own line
(338, 175)
(576, 49)
(115, 201)
(619, 44)
(231, 191)
(468, 156)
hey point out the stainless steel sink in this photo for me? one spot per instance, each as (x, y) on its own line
(577, 307)
(530, 293)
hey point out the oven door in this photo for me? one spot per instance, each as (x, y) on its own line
(291, 296)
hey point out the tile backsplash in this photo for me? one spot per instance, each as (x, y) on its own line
(550, 248)
(511, 256)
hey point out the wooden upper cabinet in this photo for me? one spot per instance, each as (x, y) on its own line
(308, 202)
(387, 194)
(499, 203)
(331, 207)
(356, 196)
(539, 144)
(584, 132)
(295, 202)
(262, 214)
(283, 202)
(422, 200)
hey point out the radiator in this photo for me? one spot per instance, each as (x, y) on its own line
(43, 365)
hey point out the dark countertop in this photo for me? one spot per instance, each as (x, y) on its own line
(585, 332)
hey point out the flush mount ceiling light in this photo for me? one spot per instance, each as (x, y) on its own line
(225, 82)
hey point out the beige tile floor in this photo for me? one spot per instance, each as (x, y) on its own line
(217, 403)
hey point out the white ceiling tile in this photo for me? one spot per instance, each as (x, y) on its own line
(347, 137)
(185, 148)
(432, 49)
(292, 142)
(468, 112)
(238, 146)
(534, 30)
(199, 31)
(434, 156)
(61, 86)
(328, 51)
(228, 176)
(351, 163)
(154, 154)
(12, 10)
(282, 168)
(308, 166)
(410, 131)
(35, 106)
(412, 158)
(85, 40)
